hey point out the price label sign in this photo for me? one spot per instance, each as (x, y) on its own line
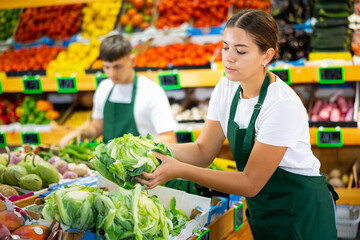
(331, 75)
(169, 81)
(239, 216)
(67, 85)
(204, 235)
(99, 77)
(0, 88)
(283, 74)
(329, 137)
(32, 85)
(184, 136)
(31, 138)
(3, 140)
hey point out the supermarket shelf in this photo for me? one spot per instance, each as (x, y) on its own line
(188, 78)
(351, 136)
(53, 137)
(348, 196)
(39, 3)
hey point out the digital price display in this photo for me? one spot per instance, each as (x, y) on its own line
(67, 85)
(239, 216)
(32, 85)
(184, 136)
(283, 74)
(204, 235)
(169, 81)
(331, 75)
(31, 138)
(99, 77)
(3, 140)
(329, 138)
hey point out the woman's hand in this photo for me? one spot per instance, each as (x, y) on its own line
(169, 169)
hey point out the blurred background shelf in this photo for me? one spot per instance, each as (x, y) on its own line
(188, 78)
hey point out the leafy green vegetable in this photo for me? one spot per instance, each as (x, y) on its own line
(123, 214)
(72, 206)
(131, 213)
(124, 158)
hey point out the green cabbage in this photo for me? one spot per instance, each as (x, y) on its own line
(123, 158)
(123, 214)
(72, 206)
(131, 213)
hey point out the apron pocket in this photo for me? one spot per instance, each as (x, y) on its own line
(274, 230)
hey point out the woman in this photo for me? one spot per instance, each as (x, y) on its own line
(267, 128)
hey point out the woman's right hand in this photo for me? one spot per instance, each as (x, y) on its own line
(169, 169)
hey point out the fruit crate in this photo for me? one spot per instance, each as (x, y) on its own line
(348, 217)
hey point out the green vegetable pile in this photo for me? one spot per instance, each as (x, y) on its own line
(123, 214)
(125, 157)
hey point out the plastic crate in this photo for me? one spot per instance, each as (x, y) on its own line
(348, 217)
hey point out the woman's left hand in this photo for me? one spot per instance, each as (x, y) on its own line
(169, 169)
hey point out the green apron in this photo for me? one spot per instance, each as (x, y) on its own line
(119, 117)
(290, 206)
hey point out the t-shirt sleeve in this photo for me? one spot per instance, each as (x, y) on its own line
(281, 125)
(160, 112)
(213, 111)
(98, 106)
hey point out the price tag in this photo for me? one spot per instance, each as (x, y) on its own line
(31, 138)
(3, 140)
(204, 235)
(184, 136)
(239, 216)
(283, 74)
(169, 81)
(99, 77)
(67, 85)
(329, 137)
(0, 88)
(329, 75)
(32, 85)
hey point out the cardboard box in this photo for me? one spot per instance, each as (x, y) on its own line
(218, 207)
(234, 199)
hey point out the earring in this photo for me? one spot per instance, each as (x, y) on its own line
(264, 65)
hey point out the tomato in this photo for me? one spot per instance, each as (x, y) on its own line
(137, 19)
(131, 12)
(139, 4)
(124, 20)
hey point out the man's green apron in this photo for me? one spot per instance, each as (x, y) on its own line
(290, 206)
(119, 117)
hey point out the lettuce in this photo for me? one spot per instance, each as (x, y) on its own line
(72, 206)
(124, 158)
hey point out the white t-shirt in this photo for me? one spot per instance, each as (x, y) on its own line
(151, 109)
(282, 121)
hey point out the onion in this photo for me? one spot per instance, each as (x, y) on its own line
(81, 170)
(16, 157)
(72, 166)
(70, 174)
(53, 159)
(61, 166)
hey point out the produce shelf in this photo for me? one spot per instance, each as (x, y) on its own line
(351, 136)
(39, 3)
(188, 78)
